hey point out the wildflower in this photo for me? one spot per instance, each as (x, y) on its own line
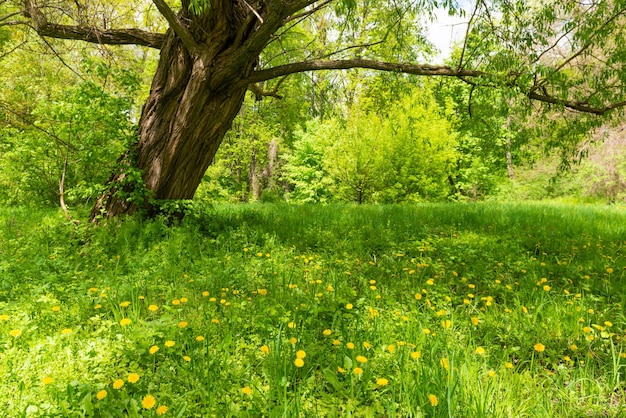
(358, 371)
(153, 349)
(291, 325)
(98, 306)
(125, 304)
(199, 338)
(327, 332)
(56, 308)
(416, 354)
(66, 331)
(293, 340)
(187, 358)
(474, 320)
(246, 390)
(205, 293)
(430, 282)
(336, 342)
(508, 365)
(92, 289)
(418, 296)
(480, 351)
(524, 309)
(215, 321)
(391, 348)
(262, 292)
(446, 324)
(161, 410)
(608, 323)
(540, 348)
(341, 369)
(491, 373)
(350, 346)
(573, 347)
(133, 378)
(265, 349)
(176, 302)
(546, 288)
(587, 329)
(349, 306)
(153, 308)
(382, 381)
(361, 359)
(433, 400)
(301, 354)
(182, 324)
(184, 300)
(426, 331)
(47, 380)
(367, 345)
(148, 402)
(298, 362)
(4, 317)
(444, 363)
(169, 343)
(117, 384)
(101, 395)
(15, 333)
(125, 321)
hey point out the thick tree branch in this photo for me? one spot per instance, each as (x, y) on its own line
(578, 106)
(176, 25)
(318, 65)
(93, 35)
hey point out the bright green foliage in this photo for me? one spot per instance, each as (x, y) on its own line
(87, 125)
(415, 310)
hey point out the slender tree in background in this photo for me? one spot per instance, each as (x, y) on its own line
(558, 52)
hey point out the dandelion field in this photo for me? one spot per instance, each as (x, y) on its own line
(285, 311)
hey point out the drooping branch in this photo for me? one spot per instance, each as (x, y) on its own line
(176, 25)
(91, 34)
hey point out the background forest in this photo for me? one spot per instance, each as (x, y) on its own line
(68, 110)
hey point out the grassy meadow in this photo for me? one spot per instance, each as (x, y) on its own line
(465, 310)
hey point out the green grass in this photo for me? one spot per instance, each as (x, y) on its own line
(447, 303)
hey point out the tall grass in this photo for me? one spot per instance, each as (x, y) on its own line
(474, 310)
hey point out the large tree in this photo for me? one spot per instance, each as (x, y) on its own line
(558, 52)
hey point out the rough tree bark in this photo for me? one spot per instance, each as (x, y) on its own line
(207, 63)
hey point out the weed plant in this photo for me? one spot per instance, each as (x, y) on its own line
(474, 310)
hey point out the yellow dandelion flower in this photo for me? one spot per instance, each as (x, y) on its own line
(474, 320)
(133, 378)
(262, 292)
(327, 332)
(101, 395)
(15, 333)
(246, 390)
(361, 359)
(4, 317)
(184, 300)
(358, 371)
(336, 342)
(430, 282)
(215, 321)
(391, 348)
(153, 308)
(382, 381)
(418, 296)
(169, 343)
(508, 365)
(153, 349)
(125, 304)
(524, 309)
(350, 346)
(546, 288)
(117, 384)
(47, 380)
(491, 373)
(176, 302)
(608, 323)
(300, 354)
(573, 347)
(125, 321)
(426, 331)
(92, 289)
(199, 338)
(205, 293)
(293, 340)
(66, 331)
(480, 350)
(148, 402)
(187, 358)
(298, 362)
(367, 345)
(433, 400)
(540, 348)
(182, 324)
(56, 308)
(416, 355)
(291, 325)
(161, 410)
(446, 324)
(265, 349)
(341, 369)
(98, 306)
(444, 363)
